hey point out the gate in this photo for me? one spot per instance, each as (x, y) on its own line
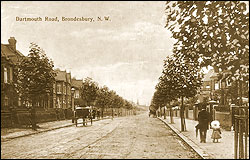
(240, 118)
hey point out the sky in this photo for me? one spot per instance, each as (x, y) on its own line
(125, 53)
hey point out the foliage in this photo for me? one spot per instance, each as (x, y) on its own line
(116, 101)
(128, 105)
(89, 91)
(103, 97)
(35, 75)
(184, 76)
(191, 101)
(234, 95)
(215, 32)
(157, 101)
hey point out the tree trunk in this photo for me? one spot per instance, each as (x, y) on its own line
(164, 112)
(33, 115)
(171, 114)
(112, 113)
(102, 112)
(183, 125)
(160, 112)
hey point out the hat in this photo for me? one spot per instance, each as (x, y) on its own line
(215, 124)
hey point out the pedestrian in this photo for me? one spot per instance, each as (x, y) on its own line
(216, 135)
(204, 119)
(93, 113)
(98, 113)
(197, 128)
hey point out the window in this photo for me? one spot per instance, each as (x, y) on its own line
(77, 94)
(54, 88)
(228, 83)
(5, 75)
(58, 102)
(64, 88)
(8, 74)
(216, 86)
(54, 102)
(6, 101)
(69, 90)
(58, 88)
(11, 74)
(19, 101)
(207, 86)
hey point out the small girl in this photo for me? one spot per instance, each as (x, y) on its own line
(216, 135)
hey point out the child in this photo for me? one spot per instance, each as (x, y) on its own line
(216, 135)
(197, 127)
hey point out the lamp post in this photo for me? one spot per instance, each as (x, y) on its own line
(72, 102)
(48, 98)
(72, 98)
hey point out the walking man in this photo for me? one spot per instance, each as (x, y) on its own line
(204, 119)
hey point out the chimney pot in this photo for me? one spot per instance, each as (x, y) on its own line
(12, 41)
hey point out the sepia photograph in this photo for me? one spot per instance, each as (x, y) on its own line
(124, 80)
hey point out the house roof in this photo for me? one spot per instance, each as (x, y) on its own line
(61, 75)
(76, 83)
(209, 75)
(9, 53)
(68, 75)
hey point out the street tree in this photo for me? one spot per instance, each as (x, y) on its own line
(103, 98)
(112, 101)
(127, 105)
(120, 104)
(183, 77)
(35, 78)
(89, 91)
(214, 32)
(167, 92)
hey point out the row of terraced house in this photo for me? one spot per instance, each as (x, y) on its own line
(220, 90)
(57, 104)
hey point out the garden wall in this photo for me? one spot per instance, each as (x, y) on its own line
(21, 116)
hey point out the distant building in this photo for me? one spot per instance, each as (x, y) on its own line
(10, 57)
(61, 97)
(76, 86)
(209, 86)
(216, 88)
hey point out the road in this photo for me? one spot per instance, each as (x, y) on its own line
(121, 138)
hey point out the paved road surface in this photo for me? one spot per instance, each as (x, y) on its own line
(124, 137)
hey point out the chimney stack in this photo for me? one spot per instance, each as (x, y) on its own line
(12, 43)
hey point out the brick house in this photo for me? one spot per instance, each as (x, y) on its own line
(61, 97)
(76, 84)
(10, 57)
(216, 89)
(209, 86)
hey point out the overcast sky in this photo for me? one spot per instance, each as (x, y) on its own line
(126, 53)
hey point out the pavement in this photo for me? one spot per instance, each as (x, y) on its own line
(222, 150)
(209, 150)
(12, 133)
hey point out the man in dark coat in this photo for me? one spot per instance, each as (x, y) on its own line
(204, 118)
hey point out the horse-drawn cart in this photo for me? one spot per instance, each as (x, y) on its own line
(83, 113)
